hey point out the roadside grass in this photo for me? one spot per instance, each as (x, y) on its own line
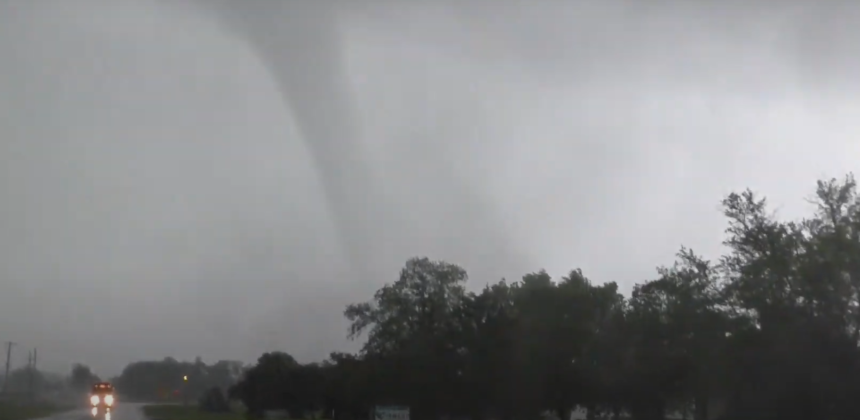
(10, 410)
(186, 412)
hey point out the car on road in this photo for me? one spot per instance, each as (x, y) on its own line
(102, 397)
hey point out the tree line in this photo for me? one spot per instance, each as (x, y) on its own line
(33, 381)
(769, 330)
(170, 379)
(148, 381)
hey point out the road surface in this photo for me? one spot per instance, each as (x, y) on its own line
(121, 412)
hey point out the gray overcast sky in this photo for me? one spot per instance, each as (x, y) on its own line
(219, 179)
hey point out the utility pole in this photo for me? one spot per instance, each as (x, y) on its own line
(8, 363)
(185, 390)
(33, 373)
(30, 374)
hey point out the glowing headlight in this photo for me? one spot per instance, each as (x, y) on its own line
(95, 411)
(94, 400)
(109, 399)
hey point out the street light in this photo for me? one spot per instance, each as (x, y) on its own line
(185, 390)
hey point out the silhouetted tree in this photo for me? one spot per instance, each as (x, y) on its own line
(82, 378)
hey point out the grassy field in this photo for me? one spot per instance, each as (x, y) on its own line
(24, 411)
(182, 412)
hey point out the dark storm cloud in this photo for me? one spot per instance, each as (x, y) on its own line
(220, 178)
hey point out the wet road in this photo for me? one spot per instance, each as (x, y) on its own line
(121, 412)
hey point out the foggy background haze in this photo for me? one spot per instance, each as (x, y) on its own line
(220, 179)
